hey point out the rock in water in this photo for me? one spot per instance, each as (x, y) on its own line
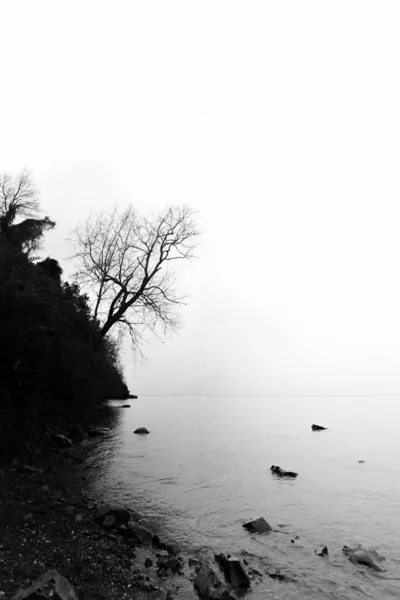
(233, 570)
(141, 430)
(51, 585)
(206, 582)
(208, 585)
(318, 428)
(282, 473)
(362, 556)
(323, 551)
(258, 526)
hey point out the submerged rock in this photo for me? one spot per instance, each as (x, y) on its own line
(282, 473)
(362, 556)
(142, 430)
(51, 585)
(258, 526)
(318, 428)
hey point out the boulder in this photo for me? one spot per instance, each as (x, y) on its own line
(233, 570)
(323, 551)
(141, 430)
(258, 526)
(51, 585)
(318, 428)
(282, 473)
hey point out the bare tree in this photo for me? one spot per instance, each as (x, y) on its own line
(18, 195)
(126, 263)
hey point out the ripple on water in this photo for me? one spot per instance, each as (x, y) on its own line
(200, 476)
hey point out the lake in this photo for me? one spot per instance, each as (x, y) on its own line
(204, 470)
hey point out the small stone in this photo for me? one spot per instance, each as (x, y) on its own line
(323, 551)
(109, 522)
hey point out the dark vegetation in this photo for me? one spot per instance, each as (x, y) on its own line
(55, 362)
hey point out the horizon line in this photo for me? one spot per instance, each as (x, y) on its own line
(394, 395)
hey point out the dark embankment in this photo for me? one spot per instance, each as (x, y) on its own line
(54, 363)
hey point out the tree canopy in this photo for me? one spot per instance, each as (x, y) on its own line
(125, 262)
(54, 361)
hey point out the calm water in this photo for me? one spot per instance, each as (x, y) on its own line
(204, 470)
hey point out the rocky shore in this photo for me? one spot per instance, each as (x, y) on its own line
(104, 552)
(47, 522)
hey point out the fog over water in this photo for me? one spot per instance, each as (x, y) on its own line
(279, 123)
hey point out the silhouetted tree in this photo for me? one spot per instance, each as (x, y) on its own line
(125, 262)
(19, 198)
(54, 359)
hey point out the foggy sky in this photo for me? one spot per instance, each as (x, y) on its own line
(279, 122)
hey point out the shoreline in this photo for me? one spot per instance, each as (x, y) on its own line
(48, 522)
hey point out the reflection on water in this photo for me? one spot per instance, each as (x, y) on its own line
(205, 469)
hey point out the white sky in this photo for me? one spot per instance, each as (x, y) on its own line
(279, 122)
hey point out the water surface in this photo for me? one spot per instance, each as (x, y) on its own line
(204, 470)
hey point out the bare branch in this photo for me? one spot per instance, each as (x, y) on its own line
(123, 260)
